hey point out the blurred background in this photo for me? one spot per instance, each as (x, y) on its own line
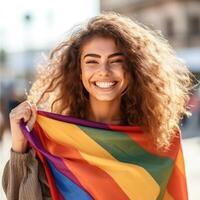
(30, 29)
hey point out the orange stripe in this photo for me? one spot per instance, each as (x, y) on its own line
(143, 140)
(180, 161)
(86, 173)
(177, 186)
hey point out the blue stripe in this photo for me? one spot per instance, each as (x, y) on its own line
(67, 188)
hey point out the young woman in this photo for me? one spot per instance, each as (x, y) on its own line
(111, 70)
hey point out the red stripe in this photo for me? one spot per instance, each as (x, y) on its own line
(177, 186)
(53, 189)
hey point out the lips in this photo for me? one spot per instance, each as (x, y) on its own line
(105, 84)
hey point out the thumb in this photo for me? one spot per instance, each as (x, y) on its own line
(33, 117)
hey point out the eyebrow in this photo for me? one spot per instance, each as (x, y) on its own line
(98, 56)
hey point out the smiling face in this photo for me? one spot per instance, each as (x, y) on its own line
(103, 69)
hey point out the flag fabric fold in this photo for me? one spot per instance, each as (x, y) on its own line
(85, 160)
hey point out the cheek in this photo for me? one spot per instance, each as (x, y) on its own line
(86, 75)
(120, 72)
(87, 72)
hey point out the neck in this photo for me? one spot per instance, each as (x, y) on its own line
(105, 111)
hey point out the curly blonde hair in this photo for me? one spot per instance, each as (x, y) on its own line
(160, 83)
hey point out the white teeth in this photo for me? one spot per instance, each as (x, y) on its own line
(104, 84)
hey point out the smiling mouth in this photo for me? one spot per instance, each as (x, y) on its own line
(105, 84)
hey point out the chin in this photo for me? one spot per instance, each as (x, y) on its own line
(105, 98)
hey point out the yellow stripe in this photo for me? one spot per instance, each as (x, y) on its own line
(131, 178)
(180, 162)
(167, 196)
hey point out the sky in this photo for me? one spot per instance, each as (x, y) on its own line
(48, 21)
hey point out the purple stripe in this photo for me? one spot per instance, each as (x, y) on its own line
(73, 120)
(35, 143)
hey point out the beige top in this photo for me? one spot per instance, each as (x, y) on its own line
(24, 178)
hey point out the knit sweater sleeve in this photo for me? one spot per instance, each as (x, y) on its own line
(24, 178)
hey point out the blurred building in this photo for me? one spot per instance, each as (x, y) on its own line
(178, 21)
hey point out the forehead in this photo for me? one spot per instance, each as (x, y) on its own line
(100, 45)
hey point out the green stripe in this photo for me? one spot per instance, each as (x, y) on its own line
(124, 149)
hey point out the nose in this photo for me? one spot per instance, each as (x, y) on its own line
(104, 69)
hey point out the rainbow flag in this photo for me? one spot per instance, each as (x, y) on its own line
(86, 160)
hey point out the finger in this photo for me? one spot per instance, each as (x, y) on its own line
(29, 103)
(34, 113)
(21, 106)
(27, 112)
(20, 114)
(32, 119)
(22, 111)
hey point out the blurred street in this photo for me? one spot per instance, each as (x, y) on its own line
(5, 153)
(191, 150)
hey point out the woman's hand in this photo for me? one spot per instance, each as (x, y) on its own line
(27, 112)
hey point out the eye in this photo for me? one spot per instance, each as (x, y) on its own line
(117, 61)
(91, 62)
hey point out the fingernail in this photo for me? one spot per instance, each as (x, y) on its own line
(28, 128)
